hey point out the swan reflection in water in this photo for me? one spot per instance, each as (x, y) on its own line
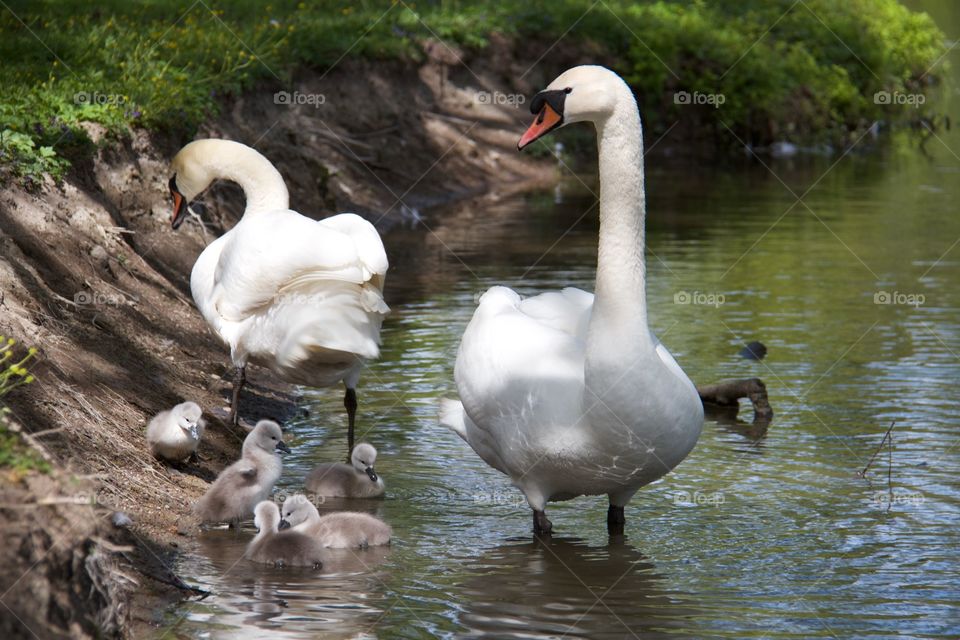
(341, 600)
(563, 587)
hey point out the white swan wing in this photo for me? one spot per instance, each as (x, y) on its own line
(367, 241)
(519, 374)
(278, 252)
(567, 310)
(202, 285)
(668, 361)
(291, 290)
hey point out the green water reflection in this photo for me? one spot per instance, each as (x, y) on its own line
(846, 268)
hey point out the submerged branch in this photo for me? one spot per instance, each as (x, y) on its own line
(726, 394)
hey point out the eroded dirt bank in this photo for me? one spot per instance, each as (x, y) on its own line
(92, 275)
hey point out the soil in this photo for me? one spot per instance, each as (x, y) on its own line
(93, 276)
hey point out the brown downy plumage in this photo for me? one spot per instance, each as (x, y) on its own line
(281, 548)
(341, 530)
(248, 481)
(355, 480)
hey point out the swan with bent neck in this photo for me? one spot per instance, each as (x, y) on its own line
(569, 393)
(303, 297)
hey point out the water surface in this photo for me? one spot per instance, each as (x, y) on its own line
(846, 267)
(761, 532)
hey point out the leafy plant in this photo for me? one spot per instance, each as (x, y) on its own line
(15, 455)
(14, 374)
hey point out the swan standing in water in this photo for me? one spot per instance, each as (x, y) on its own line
(302, 297)
(569, 393)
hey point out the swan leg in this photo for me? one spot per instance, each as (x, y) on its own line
(541, 525)
(615, 516)
(350, 404)
(615, 520)
(235, 401)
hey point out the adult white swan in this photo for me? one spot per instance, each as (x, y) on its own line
(569, 393)
(303, 297)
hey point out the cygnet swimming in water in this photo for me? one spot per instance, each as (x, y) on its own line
(281, 548)
(355, 480)
(340, 530)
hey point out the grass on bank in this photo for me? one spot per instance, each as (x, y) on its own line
(800, 71)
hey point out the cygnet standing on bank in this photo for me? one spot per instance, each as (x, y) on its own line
(249, 480)
(174, 435)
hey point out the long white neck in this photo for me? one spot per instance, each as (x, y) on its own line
(620, 302)
(263, 186)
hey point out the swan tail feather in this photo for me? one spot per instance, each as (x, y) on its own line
(453, 417)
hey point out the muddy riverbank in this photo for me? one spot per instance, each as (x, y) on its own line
(92, 275)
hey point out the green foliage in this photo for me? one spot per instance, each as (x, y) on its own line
(799, 71)
(15, 455)
(784, 69)
(14, 374)
(29, 161)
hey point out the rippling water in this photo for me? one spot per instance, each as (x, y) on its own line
(760, 532)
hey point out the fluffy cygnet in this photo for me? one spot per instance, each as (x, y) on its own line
(175, 434)
(281, 548)
(249, 480)
(341, 530)
(355, 480)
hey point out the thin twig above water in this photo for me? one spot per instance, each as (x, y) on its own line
(887, 436)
